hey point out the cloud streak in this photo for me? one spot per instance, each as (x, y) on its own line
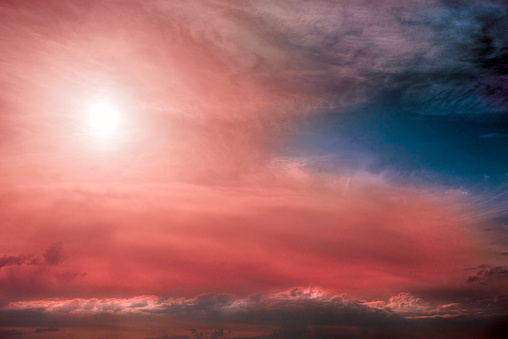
(52, 256)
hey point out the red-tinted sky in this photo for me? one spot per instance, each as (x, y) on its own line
(280, 169)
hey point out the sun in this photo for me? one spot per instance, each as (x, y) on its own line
(104, 118)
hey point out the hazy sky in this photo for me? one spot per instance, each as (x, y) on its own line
(274, 169)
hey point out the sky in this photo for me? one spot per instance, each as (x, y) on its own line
(253, 169)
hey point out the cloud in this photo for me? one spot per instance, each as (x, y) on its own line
(299, 228)
(12, 333)
(11, 260)
(33, 273)
(488, 274)
(461, 71)
(216, 306)
(310, 312)
(227, 91)
(201, 192)
(405, 303)
(46, 329)
(54, 254)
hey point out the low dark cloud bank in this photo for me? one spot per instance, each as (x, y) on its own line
(296, 313)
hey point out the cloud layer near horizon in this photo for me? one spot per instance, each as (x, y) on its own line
(298, 312)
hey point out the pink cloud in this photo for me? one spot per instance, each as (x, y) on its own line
(143, 238)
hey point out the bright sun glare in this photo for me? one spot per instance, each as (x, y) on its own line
(104, 118)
